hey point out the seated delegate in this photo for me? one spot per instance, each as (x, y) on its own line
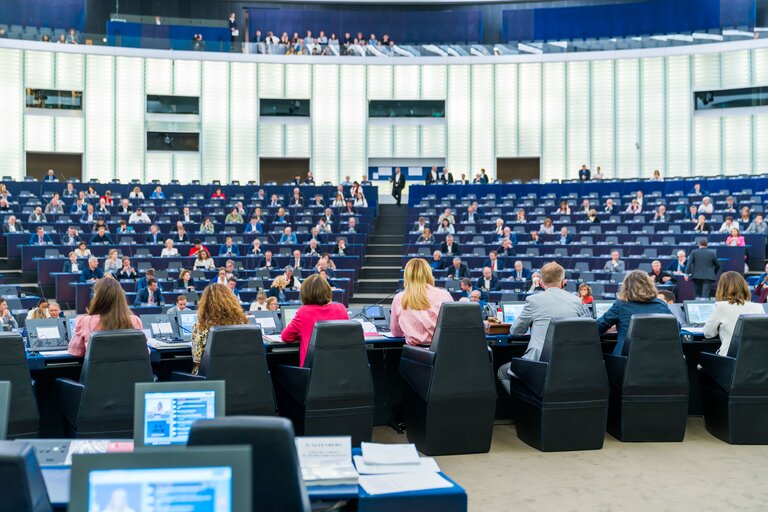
(732, 299)
(217, 306)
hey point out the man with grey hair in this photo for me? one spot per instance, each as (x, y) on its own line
(677, 267)
(292, 282)
(458, 270)
(92, 272)
(614, 264)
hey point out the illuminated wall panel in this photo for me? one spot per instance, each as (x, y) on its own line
(353, 112)
(271, 80)
(270, 140)
(215, 109)
(653, 146)
(554, 123)
(760, 65)
(379, 83)
(325, 123)
(298, 81)
(603, 114)
(297, 141)
(457, 111)
(627, 118)
(505, 108)
(39, 133)
(244, 122)
(186, 166)
(678, 103)
(130, 142)
(433, 141)
(39, 70)
(69, 71)
(160, 165)
(737, 144)
(577, 99)
(186, 77)
(529, 110)
(159, 76)
(483, 156)
(12, 113)
(760, 148)
(69, 134)
(379, 141)
(406, 81)
(433, 80)
(706, 130)
(99, 105)
(735, 69)
(406, 141)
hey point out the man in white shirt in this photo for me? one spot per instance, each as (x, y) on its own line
(139, 217)
(728, 225)
(13, 226)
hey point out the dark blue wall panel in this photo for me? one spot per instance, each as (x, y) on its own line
(177, 37)
(401, 25)
(44, 13)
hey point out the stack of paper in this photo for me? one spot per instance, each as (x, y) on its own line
(326, 460)
(391, 468)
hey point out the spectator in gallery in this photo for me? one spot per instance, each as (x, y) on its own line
(72, 37)
(614, 264)
(584, 173)
(657, 176)
(758, 226)
(598, 174)
(234, 33)
(62, 39)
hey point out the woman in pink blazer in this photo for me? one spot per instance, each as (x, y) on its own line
(735, 238)
(107, 311)
(316, 296)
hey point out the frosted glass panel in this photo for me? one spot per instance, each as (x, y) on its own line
(735, 68)
(160, 166)
(353, 112)
(554, 159)
(577, 84)
(627, 119)
(379, 83)
(39, 133)
(603, 121)
(325, 123)
(159, 76)
(271, 80)
(214, 109)
(407, 82)
(760, 148)
(380, 141)
(69, 71)
(706, 71)
(678, 116)
(186, 77)
(433, 79)
(298, 81)
(297, 144)
(406, 141)
(12, 113)
(130, 143)
(38, 70)
(243, 122)
(706, 148)
(652, 102)
(458, 118)
(186, 166)
(69, 134)
(482, 119)
(270, 140)
(433, 141)
(99, 107)
(505, 108)
(737, 144)
(529, 110)
(760, 64)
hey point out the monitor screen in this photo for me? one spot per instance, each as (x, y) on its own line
(511, 311)
(195, 479)
(71, 319)
(374, 312)
(165, 411)
(599, 307)
(698, 312)
(186, 322)
(288, 313)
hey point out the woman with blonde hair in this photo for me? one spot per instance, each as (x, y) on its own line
(317, 306)
(112, 264)
(732, 299)
(415, 310)
(272, 304)
(217, 306)
(277, 290)
(108, 311)
(637, 295)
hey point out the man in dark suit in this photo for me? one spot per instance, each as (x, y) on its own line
(40, 237)
(92, 271)
(149, 295)
(154, 236)
(398, 184)
(493, 262)
(437, 262)
(432, 177)
(702, 267)
(565, 238)
(445, 176)
(471, 217)
(51, 176)
(658, 275)
(584, 173)
(488, 282)
(458, 270)
(520, 273)
(449, 247)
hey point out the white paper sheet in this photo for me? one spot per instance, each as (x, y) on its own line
(376, 453)
(320, 451)
(48, 333)
(426, 464)
(402, 482)
(368, 327)
(266, 322)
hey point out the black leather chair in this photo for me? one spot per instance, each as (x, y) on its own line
(24, 416)
(449, 396)
(333, 393)
(734, 388)
(101, 404)
(235, 354)
(277, 482)
(649, 382)
(561, 401)
(21, 482)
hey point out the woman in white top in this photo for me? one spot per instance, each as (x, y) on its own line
(136, 193)
(82, 251)
(169, 250)
(112, 264)
(204, 261)
(731, 301)
(360, 200)
(338, 202)
(260, 304)
(446, 228)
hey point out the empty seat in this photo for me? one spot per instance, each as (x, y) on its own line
(449, 396)
(235, 354)
(649, 382)
(333, 393)
(24, 416)
(734, 387)
(22, 485)
(561, 401)
(101, 404)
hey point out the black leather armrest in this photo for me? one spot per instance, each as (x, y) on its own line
(416, 366)
(294, 380)
(615, 366)
(531, 373)
(70, 394)
(720, 368)
(184, 376)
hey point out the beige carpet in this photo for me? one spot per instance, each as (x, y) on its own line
(700, 474)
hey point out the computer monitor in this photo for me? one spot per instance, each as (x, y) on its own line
(269, 321)
(165, 411)
(5, 403)
(161, 326)
(215, 479)
(697, 312)
(599, 307)
(46, 334)
(185, 321)
(69, 321)
(511, 310)
(288, 312)
(376, 312)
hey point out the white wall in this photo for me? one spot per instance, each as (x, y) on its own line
(628, 112)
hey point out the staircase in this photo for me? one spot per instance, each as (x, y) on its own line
(383, 263)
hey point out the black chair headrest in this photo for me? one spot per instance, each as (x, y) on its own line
(119, 345)
(12, 348)
(656, 327)
(336, 334)
(748, 328)
(234, 340)
(21, 481)
(459, 315)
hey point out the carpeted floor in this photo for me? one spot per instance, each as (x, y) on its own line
(700, 474)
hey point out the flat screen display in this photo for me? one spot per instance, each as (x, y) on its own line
(168, 416)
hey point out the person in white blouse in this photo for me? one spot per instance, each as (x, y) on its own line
(728, 225)
(705, 206)
(169, 250)
(112, 264)
(360, 200)
(732, 300)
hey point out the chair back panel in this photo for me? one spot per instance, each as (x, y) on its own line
(24, 415)
(655, 361)
(749, 345)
